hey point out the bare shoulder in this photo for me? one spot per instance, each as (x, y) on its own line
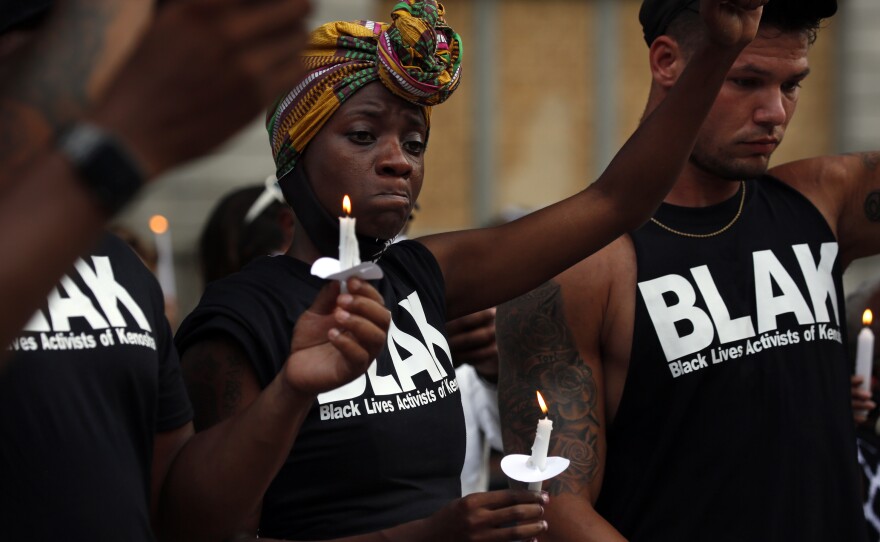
(219, 378)
(829, 182)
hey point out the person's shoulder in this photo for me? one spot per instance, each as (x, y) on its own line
(116, 249)
(821, 177)
(827, 181)
(267, 274)
(601, 271)
(408, 249)
(411, 258)
(126, 264)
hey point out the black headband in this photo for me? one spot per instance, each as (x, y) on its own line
(656, 15)
(15, 13)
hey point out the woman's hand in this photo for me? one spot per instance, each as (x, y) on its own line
(337, 339)
(494, 516)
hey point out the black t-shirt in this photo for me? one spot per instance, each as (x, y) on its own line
(92, 378)
(735, 422)
(383, 450)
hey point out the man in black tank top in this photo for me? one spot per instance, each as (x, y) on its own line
(696, 370)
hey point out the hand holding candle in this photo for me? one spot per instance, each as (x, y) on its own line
(865, 352)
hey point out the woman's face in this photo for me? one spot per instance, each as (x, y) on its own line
(372, 149)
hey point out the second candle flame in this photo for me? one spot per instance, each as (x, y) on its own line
(867, 317)
(541, 402)
(346, 204)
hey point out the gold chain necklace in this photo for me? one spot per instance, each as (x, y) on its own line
(742, 200)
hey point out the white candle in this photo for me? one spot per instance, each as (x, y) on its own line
(349, 253)
(541, 445)
(164, 256)
(865, 352)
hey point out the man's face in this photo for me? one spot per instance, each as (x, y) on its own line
(755, 104)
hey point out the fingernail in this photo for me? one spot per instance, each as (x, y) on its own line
(545, 497)
(345, 299)
(342, 316)
(544, 524)
(333, 333)
(354, 284)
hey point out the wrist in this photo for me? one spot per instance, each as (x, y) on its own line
(293, 397)
(106, 167)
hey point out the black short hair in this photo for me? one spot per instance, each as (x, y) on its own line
(22, 14)
(680, 18)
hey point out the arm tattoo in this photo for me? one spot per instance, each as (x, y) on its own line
(213, 374)
(871, 162)
(537, 352)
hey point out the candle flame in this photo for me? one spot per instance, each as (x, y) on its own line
(158, 224)
(541, 402)
(346, 204)
(867, 317)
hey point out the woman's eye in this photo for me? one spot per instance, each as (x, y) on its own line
(361, 137)
(414, 146)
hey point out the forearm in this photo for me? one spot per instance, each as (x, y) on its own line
(219, 478)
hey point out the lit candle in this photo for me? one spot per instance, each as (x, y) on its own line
(349, 254)
(865, 352)
(542, 443)
(164, 256)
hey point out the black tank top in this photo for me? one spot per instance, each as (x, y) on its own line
(735, 421)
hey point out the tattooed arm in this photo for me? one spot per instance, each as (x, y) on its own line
(846, 189)
(539, 351)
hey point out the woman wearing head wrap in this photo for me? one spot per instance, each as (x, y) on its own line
(379, 458)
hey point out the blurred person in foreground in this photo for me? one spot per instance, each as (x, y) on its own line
(380, 458)
(696, 369)
(78, 138)
(96, 438)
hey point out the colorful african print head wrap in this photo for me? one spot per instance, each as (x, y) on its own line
(417, 57)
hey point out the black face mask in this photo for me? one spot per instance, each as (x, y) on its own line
(322, 227)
